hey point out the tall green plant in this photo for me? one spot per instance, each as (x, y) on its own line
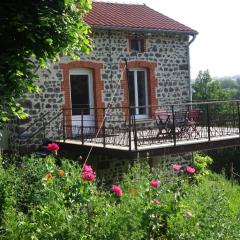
(32, 34)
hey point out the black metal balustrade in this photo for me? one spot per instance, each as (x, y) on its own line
(181, 123)
(166, 125)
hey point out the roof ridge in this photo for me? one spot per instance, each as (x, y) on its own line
(122, 3)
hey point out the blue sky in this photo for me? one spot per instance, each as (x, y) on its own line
(217, 46)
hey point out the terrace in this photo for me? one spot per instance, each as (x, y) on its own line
(168, 129)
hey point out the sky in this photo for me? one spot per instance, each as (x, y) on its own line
(217, 46)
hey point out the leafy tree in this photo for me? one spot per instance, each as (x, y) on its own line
(232, 85)
(205, 88)
(33, 33)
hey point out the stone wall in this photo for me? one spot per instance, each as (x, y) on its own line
(166, 161)
(112, 170)
(167, 53)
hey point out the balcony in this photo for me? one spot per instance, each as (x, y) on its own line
(158, 130)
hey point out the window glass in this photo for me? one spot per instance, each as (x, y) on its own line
(135, 45)
(141, 92)
(138, 92)
(132, 89)
(80, 94)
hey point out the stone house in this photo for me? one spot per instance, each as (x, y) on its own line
(156, 50)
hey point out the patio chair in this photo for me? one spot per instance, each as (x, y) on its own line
(163, 123)
(193, 119)
(180, 122)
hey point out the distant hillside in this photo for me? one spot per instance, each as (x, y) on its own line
(235, 78)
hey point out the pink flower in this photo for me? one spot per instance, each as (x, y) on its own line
(53, 147)
(176, 167)
(117, 190)
(87, 168)
(87, 176)
(87, 173)
(190, 170)
(155, 184)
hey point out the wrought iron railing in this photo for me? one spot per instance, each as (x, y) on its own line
(116, 127)
(47, 126)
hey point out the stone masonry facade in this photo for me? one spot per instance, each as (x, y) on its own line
(165, 57)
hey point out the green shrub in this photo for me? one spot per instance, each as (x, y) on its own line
(205, 213)
(42, 200)
(201, 163)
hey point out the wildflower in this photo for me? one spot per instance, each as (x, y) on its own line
(154, 184)
(117, 190)
(190, 170)
(188, 214)
(176, 167)
(87, 168)
(53, 147)
(88, 176)
(61, 172)
(48, 177)
(156, 201)
(87, 173)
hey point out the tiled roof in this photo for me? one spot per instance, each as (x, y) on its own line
(132, 16)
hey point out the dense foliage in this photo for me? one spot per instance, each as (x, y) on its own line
(32, 33)
(226, 161)
(206, 88)
(42, 200)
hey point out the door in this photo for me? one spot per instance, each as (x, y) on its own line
(138, 92)
(81, 82)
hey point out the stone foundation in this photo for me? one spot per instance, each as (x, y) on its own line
(111, 170)
(167, 161)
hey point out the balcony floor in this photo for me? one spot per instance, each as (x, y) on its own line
(220, 137)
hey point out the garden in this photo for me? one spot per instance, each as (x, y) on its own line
(48, 198)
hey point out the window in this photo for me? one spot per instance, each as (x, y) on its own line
(138, 92)
(136, 43)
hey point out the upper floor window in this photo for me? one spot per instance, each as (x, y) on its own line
(137, 43)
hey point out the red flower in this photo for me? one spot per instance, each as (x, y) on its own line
(155, 184)
(87, 176)
(190, 170)
(61, 172)
(176, 167)
(53, 147)
(117, 190)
